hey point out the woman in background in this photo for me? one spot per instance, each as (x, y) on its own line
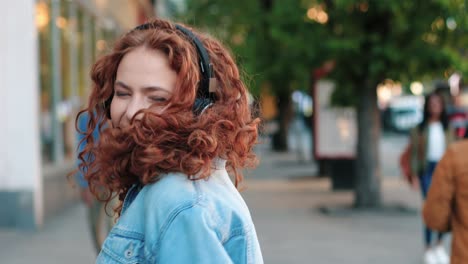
(429, 141)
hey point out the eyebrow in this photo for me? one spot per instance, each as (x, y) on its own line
(146, 89)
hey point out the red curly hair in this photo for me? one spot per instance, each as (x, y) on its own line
(175, 140)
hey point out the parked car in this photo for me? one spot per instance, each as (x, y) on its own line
(403, 113)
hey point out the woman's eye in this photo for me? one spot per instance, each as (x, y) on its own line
(121, 94)
(157, 99)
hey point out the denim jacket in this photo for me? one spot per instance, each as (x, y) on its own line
(177, 220)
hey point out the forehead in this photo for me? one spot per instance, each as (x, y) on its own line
(144, 67)
(435, 98)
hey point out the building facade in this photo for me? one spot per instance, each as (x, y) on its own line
(46, 50)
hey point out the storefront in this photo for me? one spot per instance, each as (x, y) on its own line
(70, 39)
(46, 60)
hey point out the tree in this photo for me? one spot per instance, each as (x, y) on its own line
(280, 42)
(374, 40)
(274, 40)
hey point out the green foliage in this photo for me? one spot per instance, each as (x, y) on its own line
(402, 40)
(370, 40)
(278, 45)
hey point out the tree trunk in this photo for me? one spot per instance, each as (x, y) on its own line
(368, 175)
(280, 138)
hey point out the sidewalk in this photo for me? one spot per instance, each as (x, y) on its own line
(284, 204)
(284, 200)
(292, 229)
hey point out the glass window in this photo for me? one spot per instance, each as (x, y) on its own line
(70, 41)
(85, 50)
(45, 78)
(65, 104)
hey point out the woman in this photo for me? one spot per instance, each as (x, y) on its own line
(428, 143)
(180, 120)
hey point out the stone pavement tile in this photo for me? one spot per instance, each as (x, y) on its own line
(63, 239)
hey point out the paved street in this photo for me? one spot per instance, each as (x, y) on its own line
(292, 230)
(285, 204)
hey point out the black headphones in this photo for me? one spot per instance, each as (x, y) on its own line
(207, 86)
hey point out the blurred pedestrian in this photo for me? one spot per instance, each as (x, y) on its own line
(428, 143)
(446, 206)
(456, 110)
(180, 119)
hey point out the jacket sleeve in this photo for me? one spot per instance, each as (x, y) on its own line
(191, 238)
(438, 205)
(82, 126)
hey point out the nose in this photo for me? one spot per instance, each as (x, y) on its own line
(135, 105)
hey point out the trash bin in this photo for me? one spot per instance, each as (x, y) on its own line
(342, 173)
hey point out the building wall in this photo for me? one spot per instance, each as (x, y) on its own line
(20, 184)
(47, 50)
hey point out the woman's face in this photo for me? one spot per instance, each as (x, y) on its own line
(144, 77)
(435, 105)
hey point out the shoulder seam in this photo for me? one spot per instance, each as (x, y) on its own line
(172, 216)
(241, 231)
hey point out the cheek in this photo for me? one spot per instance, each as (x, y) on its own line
(158, 109)
(437, 107)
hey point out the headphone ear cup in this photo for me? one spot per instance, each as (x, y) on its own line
(201, 104)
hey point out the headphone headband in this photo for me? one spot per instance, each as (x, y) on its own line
(206, 68)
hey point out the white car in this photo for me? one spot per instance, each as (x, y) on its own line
(403, 113)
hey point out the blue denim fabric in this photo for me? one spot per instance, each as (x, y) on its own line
(425, 180)
(177, 220)
(83, 126)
